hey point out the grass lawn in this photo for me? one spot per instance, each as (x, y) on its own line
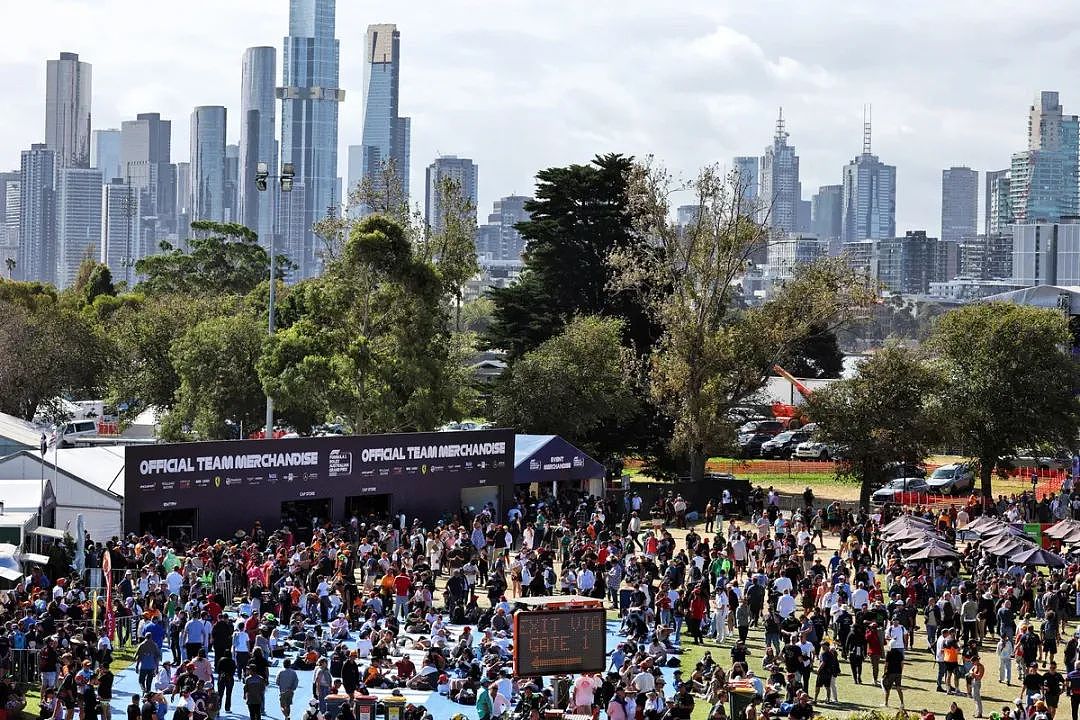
(122, 658)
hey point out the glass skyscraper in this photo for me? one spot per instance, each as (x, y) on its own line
(1045, 179)
(869, 200)
(959, 203)
(78, 220)
(781, 191)
(208, 163)
(309, 117)
(462, 171)
(257, 143)
(37, 214)
(67, 110)
(386, 134)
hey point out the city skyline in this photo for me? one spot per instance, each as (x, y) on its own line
(477, 91)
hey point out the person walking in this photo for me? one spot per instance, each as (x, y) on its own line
(894, 674)
(977, 673)
(1072, 683)
(1005, 659)
(147, 659)
(287, 682)
(254, 694)
(226, 672)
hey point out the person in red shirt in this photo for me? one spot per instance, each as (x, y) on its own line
(873, 649)
(695, 614)
(402, 585)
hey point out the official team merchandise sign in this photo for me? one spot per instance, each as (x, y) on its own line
(251, 478)
(560, 642)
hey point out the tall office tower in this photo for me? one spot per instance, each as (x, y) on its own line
(747, 168)
(290, 227)
(9, 223)
(998, 205)
(78, 222)
(448, 167)
(258, 113)
(959, 203)
(232, 183)
(12, 208)
(1045, 179)
(1046, 253)
(686, 215)
(121, 239)
(208, 163)
(309, 115)
(67, 110)
(183, 197)
(990, 180)
(105, 153)
(804, 216)
(37, 214)
(386, 138)
(825, 216)
(869, 196)
(6, 179)
(780, 188)
(499, 240)
(145, 152)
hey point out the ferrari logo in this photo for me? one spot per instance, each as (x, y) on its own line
(217, 481)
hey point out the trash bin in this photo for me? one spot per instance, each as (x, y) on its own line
(395, 707)
(365, 707)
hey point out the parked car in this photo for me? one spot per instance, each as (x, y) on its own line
(812, 450)
(1028, 458)
(750, 445)
(952, 479)
(896, 470)
(784, 444)
(888, 491)
(768, 427)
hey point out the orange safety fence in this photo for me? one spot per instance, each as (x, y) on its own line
(1049, 484)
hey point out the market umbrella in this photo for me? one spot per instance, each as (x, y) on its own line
(916, 545)
(905, 521)
(1038, 556)
(1006, 544)
(907, 534)
(10, 568)
(1003, 529)
(981, 523)
(1063, 529)
(934, 552)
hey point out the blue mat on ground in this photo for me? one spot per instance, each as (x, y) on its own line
(126, 684)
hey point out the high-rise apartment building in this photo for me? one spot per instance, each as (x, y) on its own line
(999, 214)
(232, 183)
(786, 254)
(105, 153)
(208, 124)
(959, 203)
(780, 189)
(37, 214)
(498, 241)
(990, 181)
(67, 110)
(309, 116)
(463, 172)
(183, 197)
(1045, 179)
(78, 222)
(386, 138)
(145, 164)
(869, 196)
(9, 211)
(826, 213)
(258, 115)
(121, 238)
(747, 169)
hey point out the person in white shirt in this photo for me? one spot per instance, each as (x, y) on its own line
(859, 597)
(782, 584)
(645, 681)
(785, 605)
(174, 581)
(896, 634)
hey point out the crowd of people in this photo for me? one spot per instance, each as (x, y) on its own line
(388, 605)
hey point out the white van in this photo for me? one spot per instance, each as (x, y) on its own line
(74, 429)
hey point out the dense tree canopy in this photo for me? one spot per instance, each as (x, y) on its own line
(1009, 380)
(886, 413)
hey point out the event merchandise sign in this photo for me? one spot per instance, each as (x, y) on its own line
(560, 642)
(249, 479)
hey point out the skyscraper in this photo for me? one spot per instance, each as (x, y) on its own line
(257, 143)
(462, 171)
(780, 188)
(999, 214)
(1045, 179)
(232, 183)
(869, 196)
(499, 240)
(747, 168)
(67, 110)
(208, 163)
(309, 115)
(386, 136)
(826, 214)
(105, 153)
(121, 243)
(78, 226)
(990, 179)
(145, 152)
(959, 203)
(37, 214)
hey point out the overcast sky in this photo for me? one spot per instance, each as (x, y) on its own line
(522, 85)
